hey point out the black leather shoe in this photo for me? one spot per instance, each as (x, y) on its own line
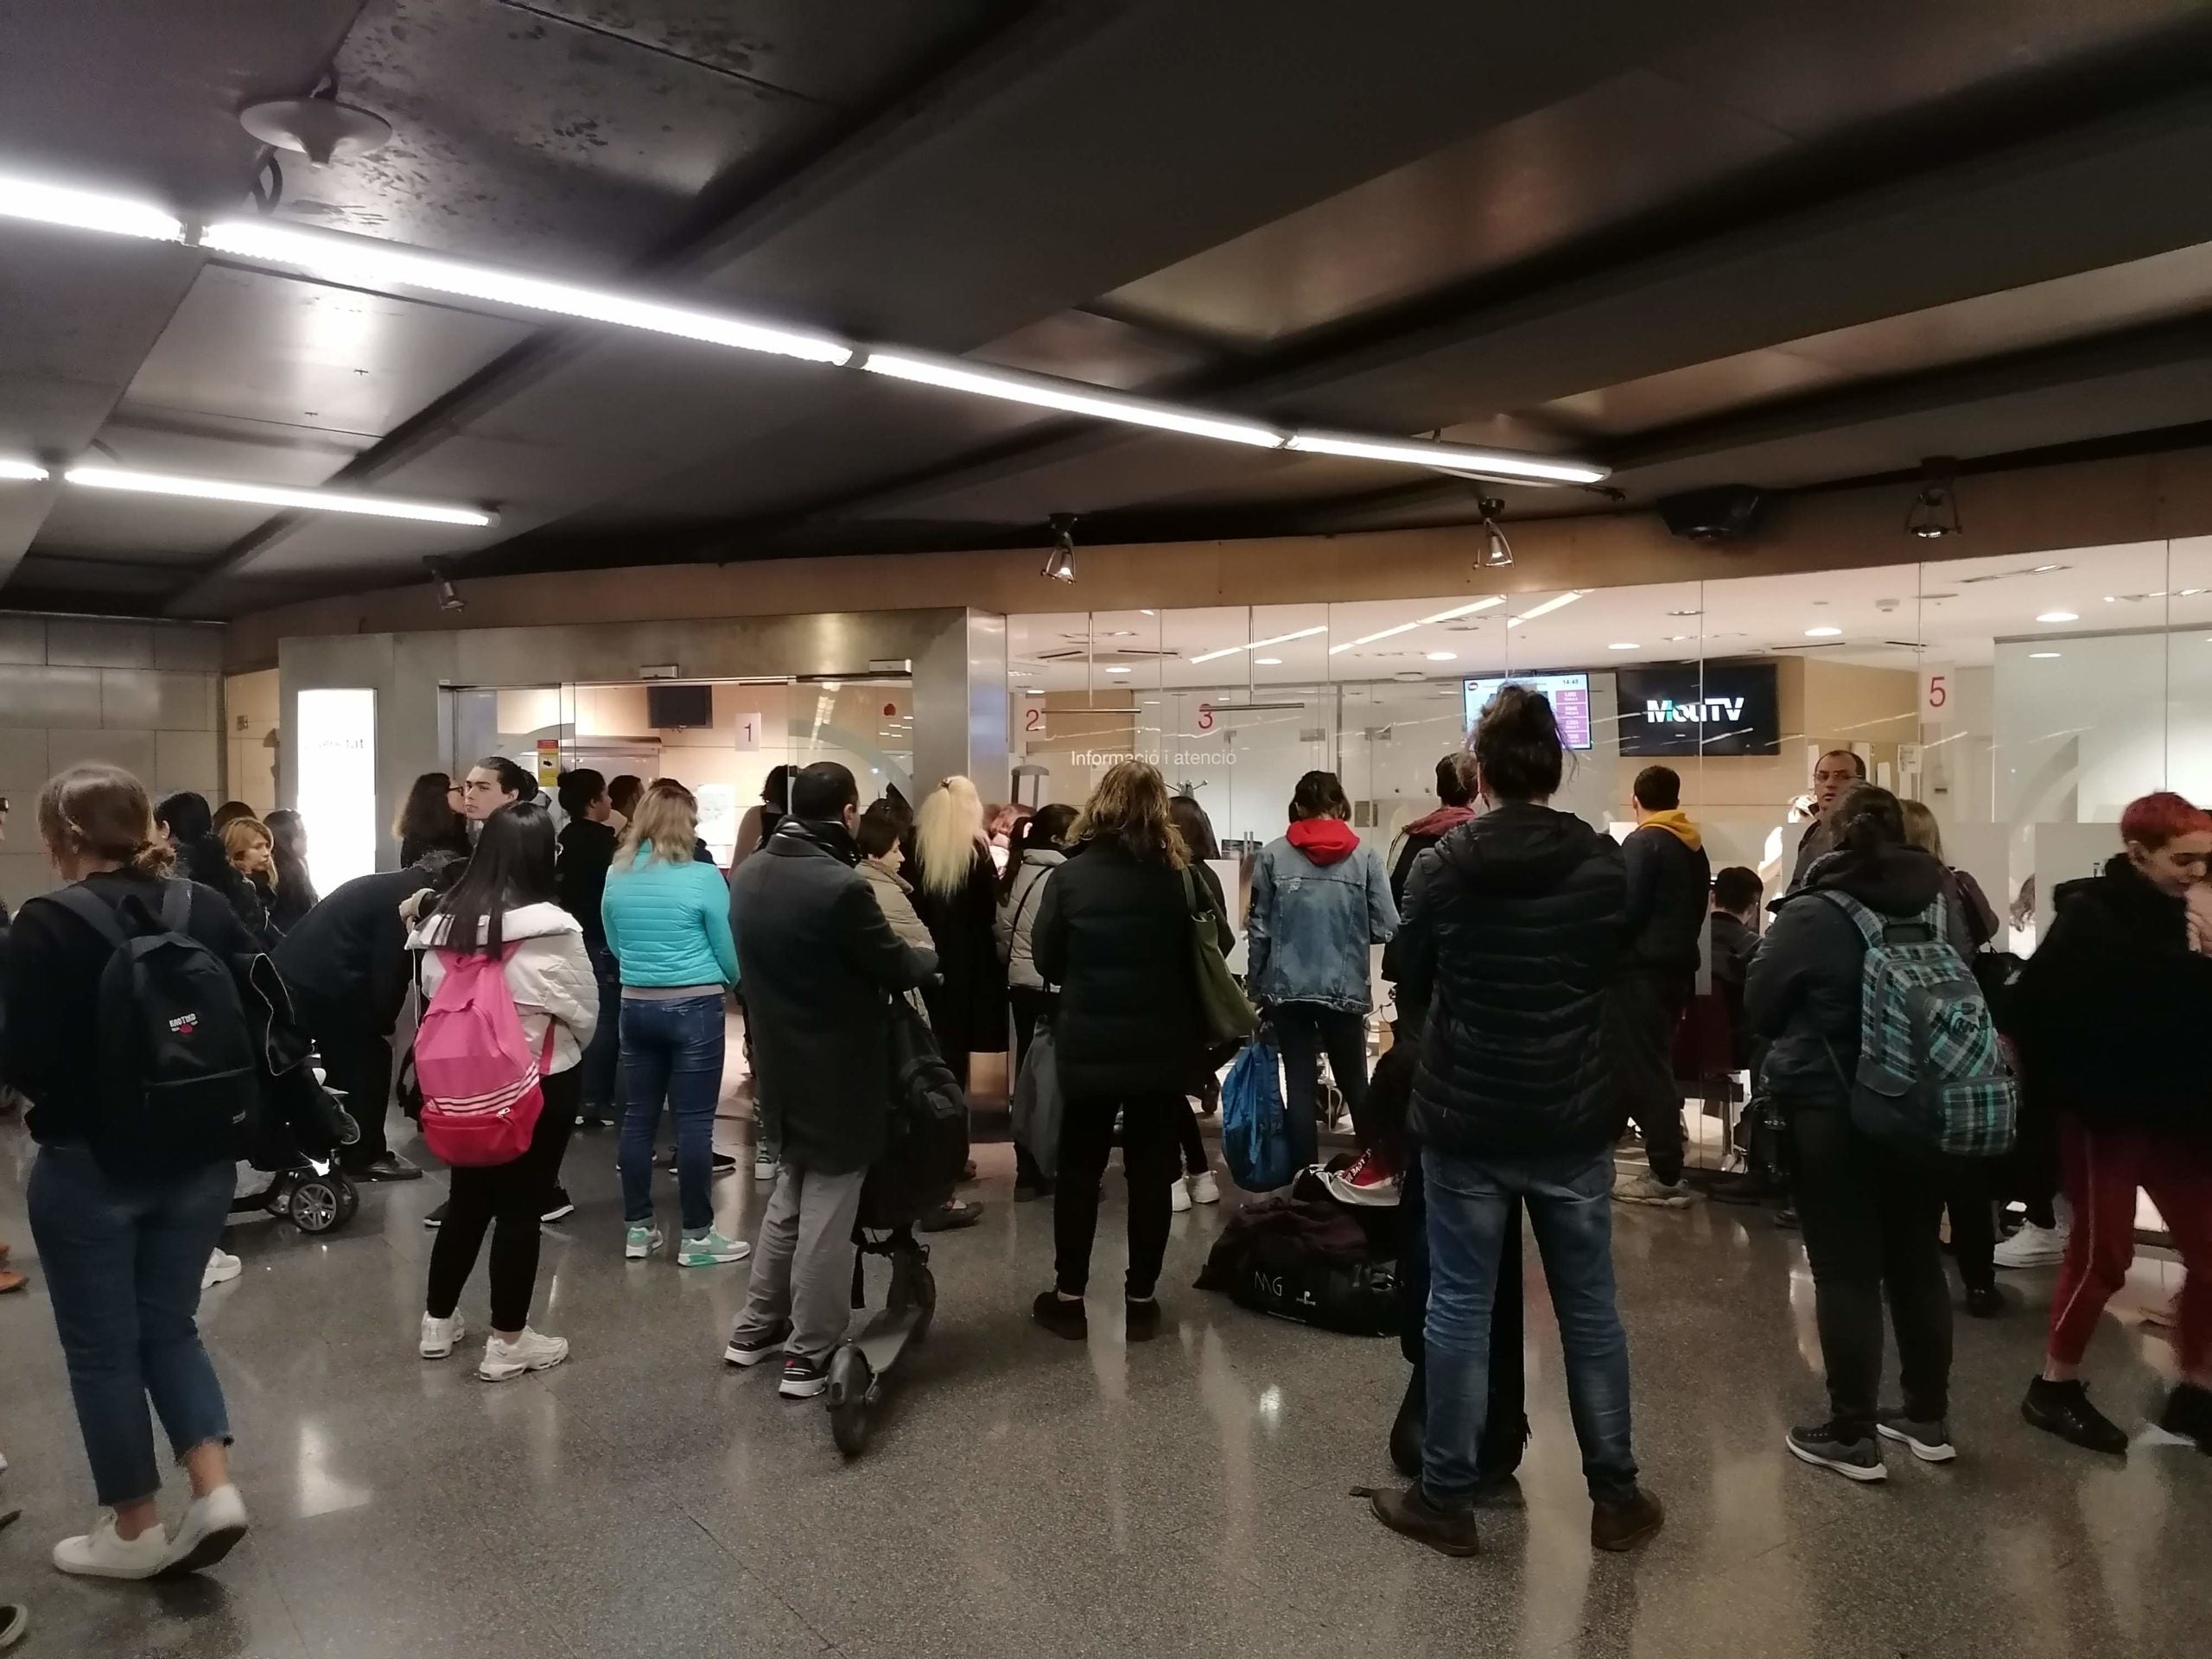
(1060, 1316)
(953, 1212)
(1985, 1301)
(2064, 1409)
(390, 1167)
(1449, 1532)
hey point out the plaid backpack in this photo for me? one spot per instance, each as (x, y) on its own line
(1932, 1074)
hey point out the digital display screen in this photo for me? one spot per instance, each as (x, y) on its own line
(1569, 695)
(1677, 708)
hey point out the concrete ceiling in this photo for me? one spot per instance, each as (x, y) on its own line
(1783, 243)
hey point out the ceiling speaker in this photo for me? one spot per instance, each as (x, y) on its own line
(1725, 512)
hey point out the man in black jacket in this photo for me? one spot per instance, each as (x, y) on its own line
(1833, 773)
(1669, 881)
(1735, 934)
(346, 963)
(821, 968)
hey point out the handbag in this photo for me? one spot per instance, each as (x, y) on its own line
(1254, 1127)
(1039, 1106)
(1224, 1013)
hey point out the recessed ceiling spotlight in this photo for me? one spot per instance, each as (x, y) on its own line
(1675, 638)
(1686, 612)
(1443, 656)
(1624, 645)
(1121, 671)
(2042, 656)
(2058, 616)
(1823, 633)
(1267, 662)
(2045, 569)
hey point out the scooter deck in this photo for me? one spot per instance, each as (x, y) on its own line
(882, 1338)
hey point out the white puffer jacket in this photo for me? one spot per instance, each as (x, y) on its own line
(549, 976)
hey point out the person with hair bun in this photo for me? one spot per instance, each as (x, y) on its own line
(122, 1241)
(492, 783)
(1871, 1216)
(2113, 1006)
(1514, 924)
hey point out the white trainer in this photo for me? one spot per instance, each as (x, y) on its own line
(1179, 1195)
(531, 1351)
(764, 1166)
(101, 1553)
(2031, 1247)
(640, 1243)
(221, 1268)
(1204, 1189)
(210, 1530)
(440, 1336)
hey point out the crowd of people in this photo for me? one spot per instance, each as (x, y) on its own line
(1542, 974)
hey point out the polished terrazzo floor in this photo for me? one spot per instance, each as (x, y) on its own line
(1029, 1496)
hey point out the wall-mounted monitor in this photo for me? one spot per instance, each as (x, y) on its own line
(1569, 695)
(679, 708)
(1674, 708)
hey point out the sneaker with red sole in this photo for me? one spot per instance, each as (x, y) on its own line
(1370, 1181)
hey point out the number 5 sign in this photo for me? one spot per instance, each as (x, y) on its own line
(1938, 689)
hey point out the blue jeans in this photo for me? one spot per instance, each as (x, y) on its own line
(603, 1054)
(671, 1052)
(123, 1260)
(1570, 1206)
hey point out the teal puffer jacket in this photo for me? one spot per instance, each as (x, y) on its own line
(669, 924)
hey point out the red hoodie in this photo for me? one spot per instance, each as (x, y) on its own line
(1325, 841)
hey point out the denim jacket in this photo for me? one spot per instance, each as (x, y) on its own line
(1311, 926)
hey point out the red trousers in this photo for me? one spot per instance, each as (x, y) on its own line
(2099, 1170)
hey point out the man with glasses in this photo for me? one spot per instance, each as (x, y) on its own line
(1833, 773)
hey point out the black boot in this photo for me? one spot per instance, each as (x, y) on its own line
(2064, 1409)
(2189, 1414)
(1405, 1432)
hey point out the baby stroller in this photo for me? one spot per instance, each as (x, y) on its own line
(922, 1159)
(294, 1135)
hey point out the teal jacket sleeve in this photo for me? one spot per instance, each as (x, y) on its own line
(713, 904)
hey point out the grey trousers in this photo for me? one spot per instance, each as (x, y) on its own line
(802, 1261)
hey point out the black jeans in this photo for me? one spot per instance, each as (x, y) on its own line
(1306, 1030)
(1030, 1004)
(357, 1063)
(1641, 1012)
(505, 1200)
(1870, 1221)
(1505, 1424)
(1148, 1163)
(1974, 1224)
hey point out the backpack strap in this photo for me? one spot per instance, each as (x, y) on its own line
(80, 901)
(1869, 924)
(176, 907)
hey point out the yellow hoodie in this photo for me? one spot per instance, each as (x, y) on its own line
(1675, 824)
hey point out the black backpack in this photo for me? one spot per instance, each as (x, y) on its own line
(927, 1145)
(176, 1065)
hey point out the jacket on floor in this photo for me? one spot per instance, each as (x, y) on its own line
(669, 924)
(1112, 932)
(1669, 892)
(1319, 900)
(1802, 992)
(1017, 923)
(549, 974)
(348, 957)
(1513, 928)
(822, 967)
(2113, 1009)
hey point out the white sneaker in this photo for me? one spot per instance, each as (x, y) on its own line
(504, 1361)
(440, 1336)
(210, 1530)
(710, 1250)
(1204, 1189)
(100, 1553)
(1650, 1189)
(764, 1166)
(221, 1268)
(2031, 1247)
(1179, 1195)
(640, 1243)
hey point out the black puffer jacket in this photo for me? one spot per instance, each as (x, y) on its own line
(1113, 932)
(1670, 891)
(2112, 1007)
(1513, 926)
(1802, 996)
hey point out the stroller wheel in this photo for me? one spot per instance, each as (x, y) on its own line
(850, 1382)
(317, 1203)
(349, 1196)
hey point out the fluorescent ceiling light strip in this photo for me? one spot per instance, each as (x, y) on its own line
(1544, 609)
(1278, 639)
(85, 210)
(366, 263)
(1407, 627)
(25, 472)
(272, 495)
(1044, 391)
(1452, 457)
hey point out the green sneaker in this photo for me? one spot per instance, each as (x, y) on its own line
(640, 1243)
(710, 1250)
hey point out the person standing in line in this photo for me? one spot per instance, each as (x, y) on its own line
(123, 1236)
(1669, 889)
(1455, 805)
(503, 906)
(761, 819)
(668, 922)
(346, 965)
(1203, 849)
(1870, 1213)
(1734, 939)
(956, 895)
(823, 965)
(251, 851)
(1514, 926)
(2113, 1004)
(1833, 773)
(430, 821)
(587, 845)
(1114, 934)
(1035, 853)
(288, 851)
(185, 820)
(623, 791)
(876, 834)
(1319, 901)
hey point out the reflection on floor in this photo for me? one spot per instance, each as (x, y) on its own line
(1030, 1496)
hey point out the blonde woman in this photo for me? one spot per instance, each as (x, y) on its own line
(667, 916)
(957, 894)
(252, 853)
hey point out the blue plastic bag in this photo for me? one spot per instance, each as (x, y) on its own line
(1254, 1128)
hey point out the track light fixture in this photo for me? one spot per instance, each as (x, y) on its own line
(1498, 552)
(450, 597)
(1060, 564)
(1935, 509)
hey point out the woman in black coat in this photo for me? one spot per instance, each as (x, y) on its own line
(1114, 934)
(956, 894)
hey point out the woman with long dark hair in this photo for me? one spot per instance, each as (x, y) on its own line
(506, 900)
(586, 852)
(201, 856)
(288, 846)
(1196, 1184)
(430, 820)
(1034, 854)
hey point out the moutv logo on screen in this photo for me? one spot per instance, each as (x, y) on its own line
(1666, 711)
